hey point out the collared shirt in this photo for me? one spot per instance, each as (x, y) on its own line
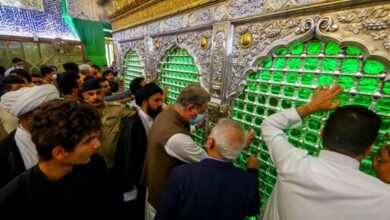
(147, 121)
(328, 187)
(184, 148)
(26, 147)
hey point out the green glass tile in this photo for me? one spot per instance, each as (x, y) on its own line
(258, 122)
(241, 97)
(280, 63)
(288, 91)
(304, 93)
(383, 106)
(373, 67)
(263, 87)
(292, 77)
(249, 108)
(311, 64)
(386, 88)
(295, 133)
(260, 110)
(252, 86)
(237, 116)
(294, 63)
(275, 89)
(366, 166)
(350, 65)
(281, 51)
(248, 118)
(346, 82)
(270, 112)
(297, 48)
(251, 97)
(351, 50)
(325, 80)
(253, 76)
(385, 125)
(266, 63)
(368, 85)
(329, 65)
(277, 77)
(332, 48)
(273, 102)
(311, 138)
(265, 75)
(307, 79)
(314, 48)
(362, 100)
(314, 124)
(286, 104)
(261, 99)
(238, 105)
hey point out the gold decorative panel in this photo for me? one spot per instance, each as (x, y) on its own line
(36, 5)
(155, 11)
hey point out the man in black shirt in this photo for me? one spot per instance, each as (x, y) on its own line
(69, 177)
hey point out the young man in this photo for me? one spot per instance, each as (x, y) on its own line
(131, 150)
(109, 75)
(329, 186)
(68, 177)
(214, 188)
(47, 74)
(17, 63)
(70, 86)
(37, 79)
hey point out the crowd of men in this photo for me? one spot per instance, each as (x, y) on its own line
(69, 144)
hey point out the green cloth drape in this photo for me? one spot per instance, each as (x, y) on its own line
(91, 35)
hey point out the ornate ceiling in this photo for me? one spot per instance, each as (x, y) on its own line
(128, 13)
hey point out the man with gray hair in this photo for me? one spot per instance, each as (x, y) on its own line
(85, 71)
(170, 143)
(214, 188)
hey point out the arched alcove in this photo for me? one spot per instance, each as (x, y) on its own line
(132, 67)
(176, 71)
(288, 77)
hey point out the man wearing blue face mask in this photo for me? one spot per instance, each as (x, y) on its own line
(170, 143)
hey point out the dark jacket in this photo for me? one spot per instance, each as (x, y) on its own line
(209, 189)
(130, 152)
(82, 192)
(11, 161)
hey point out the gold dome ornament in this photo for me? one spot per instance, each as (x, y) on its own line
(246, 40)
(204, 43)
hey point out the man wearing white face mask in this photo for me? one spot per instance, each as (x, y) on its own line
(170, 143)
(17, 63)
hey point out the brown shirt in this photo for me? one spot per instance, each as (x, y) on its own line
(112, 113)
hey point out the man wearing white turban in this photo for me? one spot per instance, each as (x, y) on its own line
(17, 151)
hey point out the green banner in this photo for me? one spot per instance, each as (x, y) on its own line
(91, 35)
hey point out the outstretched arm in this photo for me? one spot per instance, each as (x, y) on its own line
(272, 129)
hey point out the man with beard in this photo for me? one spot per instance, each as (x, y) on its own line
(131, 150)
(111, 115)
